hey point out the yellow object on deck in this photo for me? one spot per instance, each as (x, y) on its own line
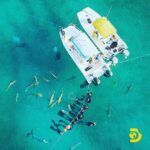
(104, 27)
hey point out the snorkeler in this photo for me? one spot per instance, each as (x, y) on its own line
(62, 121)
(73, 107)
(80, 116)
(62, 114)
(77, 115)
(73, 118)
(78, 103)
(60, 98)
(56, 127)
(89, 94)
(72, 114)
(41, 140)
(67, 126)
(80, 99)
(91, 124)
(88, 99)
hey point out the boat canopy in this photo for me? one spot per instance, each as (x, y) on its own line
(104, 27)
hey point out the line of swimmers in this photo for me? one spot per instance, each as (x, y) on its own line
(75, 114)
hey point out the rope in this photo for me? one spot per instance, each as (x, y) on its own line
(136, 58)
(53, 146)
(108, 12)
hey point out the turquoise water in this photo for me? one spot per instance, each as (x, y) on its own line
(37, 24)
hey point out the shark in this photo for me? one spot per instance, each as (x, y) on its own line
(60, 98)
(51, 101)
(11, 84)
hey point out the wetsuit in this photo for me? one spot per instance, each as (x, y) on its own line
(56, 127)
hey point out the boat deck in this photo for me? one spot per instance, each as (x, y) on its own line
(83, 52)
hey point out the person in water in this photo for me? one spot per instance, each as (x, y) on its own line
(56, 127)
(80, 99)
(90, 124)
(89, 94)
(41, 140)
(88, 99)
(67, 126)
(68, 116)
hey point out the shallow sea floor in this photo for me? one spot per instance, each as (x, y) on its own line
(35, 23)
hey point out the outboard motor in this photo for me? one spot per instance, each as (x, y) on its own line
(108, 73)
(84, 84)
(96, 81)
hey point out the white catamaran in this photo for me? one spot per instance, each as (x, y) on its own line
(85, 55)
(103, 34)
